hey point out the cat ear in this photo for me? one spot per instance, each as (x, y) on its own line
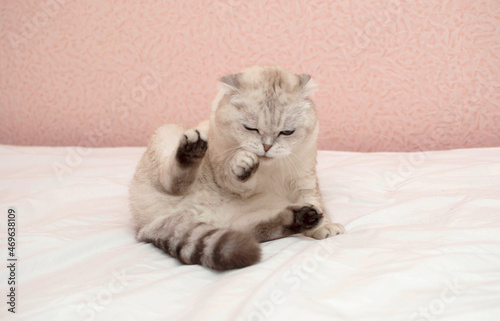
(230, 84)
(306, 85)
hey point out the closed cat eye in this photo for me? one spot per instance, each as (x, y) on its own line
(287, 132)
(250, 128)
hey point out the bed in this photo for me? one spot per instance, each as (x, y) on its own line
(422, 243)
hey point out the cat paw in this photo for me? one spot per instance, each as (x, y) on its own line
(326, 230)
(244, 164)
(192, 147)
(305, 217)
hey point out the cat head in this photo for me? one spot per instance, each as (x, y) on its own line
(266, 110)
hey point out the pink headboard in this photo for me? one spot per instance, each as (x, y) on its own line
(393, 75)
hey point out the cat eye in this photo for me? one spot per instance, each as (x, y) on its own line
(287, 132)
(250, 128)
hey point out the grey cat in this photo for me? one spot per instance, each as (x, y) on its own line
(209, 194)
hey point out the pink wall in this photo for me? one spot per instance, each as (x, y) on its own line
(393, 74)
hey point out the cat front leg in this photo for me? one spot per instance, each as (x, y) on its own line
(239, 173)
(292, 220)
(244, 164)
(312, 197)
(234, 172)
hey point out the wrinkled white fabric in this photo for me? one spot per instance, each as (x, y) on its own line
(422, 243)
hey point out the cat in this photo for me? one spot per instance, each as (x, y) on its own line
(208, 195)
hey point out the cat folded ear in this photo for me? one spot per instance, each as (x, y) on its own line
(230, 84)
(306, 85)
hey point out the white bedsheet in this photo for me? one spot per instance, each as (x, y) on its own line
(422, 243)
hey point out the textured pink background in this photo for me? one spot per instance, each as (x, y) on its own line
(393, 75)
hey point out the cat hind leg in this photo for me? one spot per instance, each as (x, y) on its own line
(178, 155)
(192, 148)
(292, 220)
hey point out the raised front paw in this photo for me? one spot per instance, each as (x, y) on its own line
(305, 217)
(244, 164)
(192, 147)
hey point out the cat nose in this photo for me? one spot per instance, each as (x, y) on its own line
(267, 147)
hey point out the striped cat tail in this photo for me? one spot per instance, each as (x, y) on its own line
(194, 242)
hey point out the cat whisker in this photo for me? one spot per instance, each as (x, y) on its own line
(228, 151)
(296, 157)
(292, 165)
